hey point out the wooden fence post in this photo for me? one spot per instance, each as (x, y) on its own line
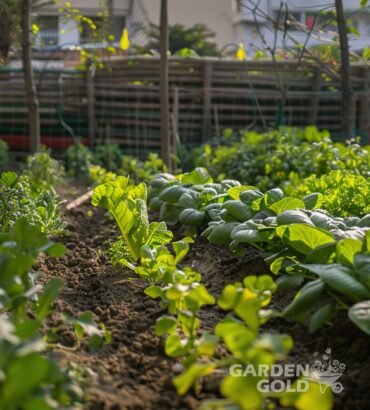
(315, 101)
(364, 115)
(175, 123)
(90, 92)
(164, 91)
(207, 84)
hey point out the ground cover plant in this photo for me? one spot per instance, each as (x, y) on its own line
(203, 274)
(274, 159)
(182, 296)
(29, 212)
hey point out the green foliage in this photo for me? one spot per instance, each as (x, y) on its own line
(182, 296)
(196, 38)
(79, 160)
(344, 193)
(18, 199)
(108, 156)
(43, 171)
(127, 204)
(278, 158)
(27, 305)
(3, 153)
(142, 170)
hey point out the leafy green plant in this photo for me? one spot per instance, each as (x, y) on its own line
(142, 170)
(24, 307)
(344, 193)
(79, 159)
(18, 199)
(108, 156)
(280, 157)
(147, 252)
(43, 171)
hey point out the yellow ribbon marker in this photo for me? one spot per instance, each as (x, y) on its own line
(124, 42)
(240, 53)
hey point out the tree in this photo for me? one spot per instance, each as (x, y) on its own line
(8, 25)
(29, 81)
(347, 92)
(195, 38)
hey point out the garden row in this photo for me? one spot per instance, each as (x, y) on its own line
(325, 257)
(302, 200)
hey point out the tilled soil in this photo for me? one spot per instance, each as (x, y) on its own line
(133, 372)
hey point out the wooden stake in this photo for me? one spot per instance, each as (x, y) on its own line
(164, 97)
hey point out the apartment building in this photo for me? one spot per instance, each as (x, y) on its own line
(233, 21)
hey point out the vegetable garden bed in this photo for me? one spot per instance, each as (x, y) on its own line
(133, 372)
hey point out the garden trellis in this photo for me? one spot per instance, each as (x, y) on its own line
(121, 101)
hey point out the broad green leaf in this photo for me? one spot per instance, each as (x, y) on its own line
(207, 344)
(189, 199)
(366, 244)
(360, 315)
(238, 210)
(229, 297)
(8, 178)
(243, 391)
(192, 217)
(198, 297)
(237, 337)
(158, 235)
(55, 249)
(18, 383)
(313, 201)
(340, 279)
(286, 204)
(293, 217)
(346, 251)
(37, 403)
(288, 282)
(362, 268)
(271, 196)
(220, 233)
(189, 377)
(250, 236)
(303, 238)
(172, 194)
(305, 299)
(250, 195)
(279, 344)
(181, 249)
(50, 292)
(165, 324)
(322, 254)
(197, 176)
(321, 316)
(313, 398)
(153, 291)
(175, 346)
(127, 204)
(235, 192)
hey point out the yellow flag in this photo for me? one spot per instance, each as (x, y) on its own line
(124, 41)
(240, 53)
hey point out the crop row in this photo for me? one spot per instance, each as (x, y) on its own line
(149, 251)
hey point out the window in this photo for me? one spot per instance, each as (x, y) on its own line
(48, 31)
(90, 29)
